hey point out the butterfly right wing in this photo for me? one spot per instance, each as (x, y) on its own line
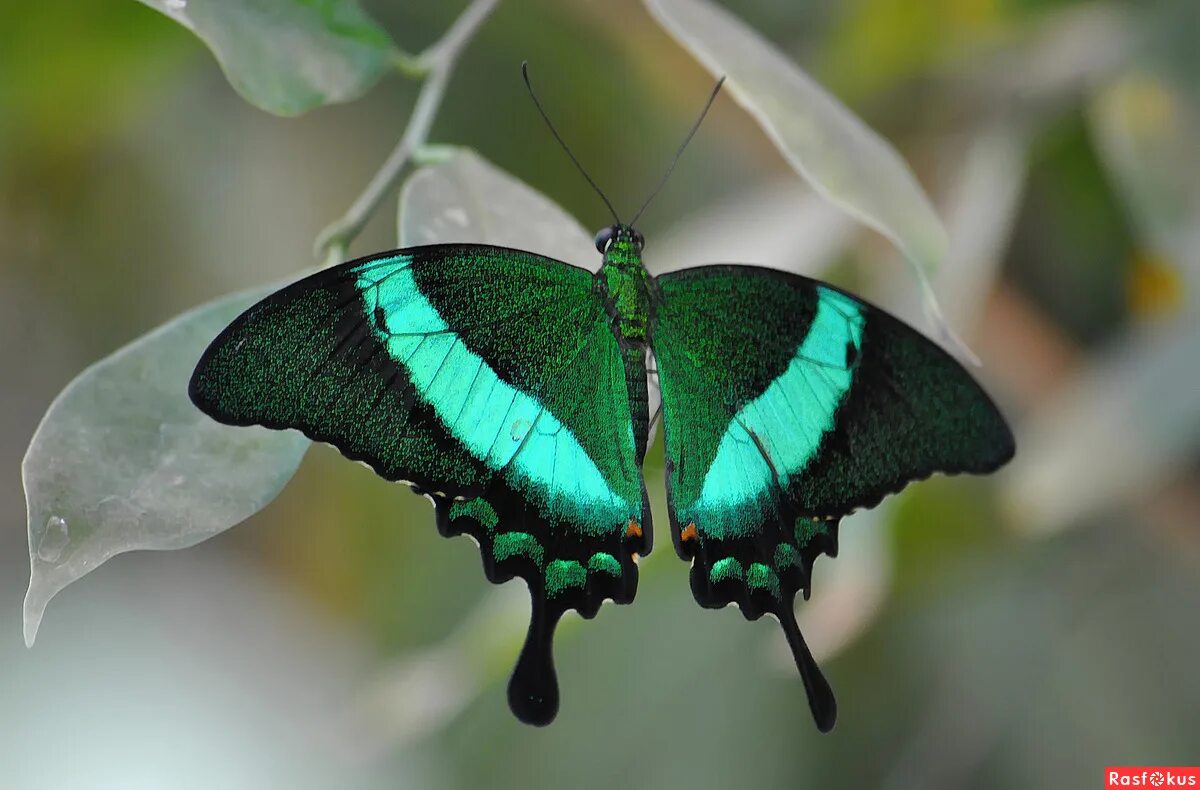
(787, 404)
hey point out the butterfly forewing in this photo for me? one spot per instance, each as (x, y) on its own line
(489, 379)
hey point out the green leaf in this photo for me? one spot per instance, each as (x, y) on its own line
(123, 460)
(288, 56)
(843, 159)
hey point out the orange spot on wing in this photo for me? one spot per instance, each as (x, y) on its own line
(633, 529)
(688, 533)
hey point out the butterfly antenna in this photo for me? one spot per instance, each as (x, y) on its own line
(541, 110)
(711, 98)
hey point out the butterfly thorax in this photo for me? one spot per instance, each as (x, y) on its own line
(626, 283)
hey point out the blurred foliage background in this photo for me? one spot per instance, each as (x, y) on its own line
(1024, 630)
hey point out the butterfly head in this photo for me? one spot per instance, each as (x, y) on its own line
(620, 243)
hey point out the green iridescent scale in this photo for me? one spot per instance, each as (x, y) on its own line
(512, 390)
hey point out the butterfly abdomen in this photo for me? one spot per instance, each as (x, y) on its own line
(639, 400)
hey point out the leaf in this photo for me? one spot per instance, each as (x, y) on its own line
(469, 200)
(288, 56)
(123, 460)
(843, 159)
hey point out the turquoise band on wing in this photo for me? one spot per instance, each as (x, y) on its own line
(786, 423)
(504, 427)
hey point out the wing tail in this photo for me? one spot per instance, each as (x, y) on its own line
(820, 696)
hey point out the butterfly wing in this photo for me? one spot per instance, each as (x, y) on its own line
(788, 404)
(486, 378)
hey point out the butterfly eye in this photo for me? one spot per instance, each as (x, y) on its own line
(639, 240)
(604, 237)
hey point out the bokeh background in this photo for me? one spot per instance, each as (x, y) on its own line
(1024, 630)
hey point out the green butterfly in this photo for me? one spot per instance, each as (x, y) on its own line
(512, 390)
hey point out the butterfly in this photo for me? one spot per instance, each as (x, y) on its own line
(512, 390)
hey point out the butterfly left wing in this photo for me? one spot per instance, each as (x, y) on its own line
(786, 405)
(488, 379)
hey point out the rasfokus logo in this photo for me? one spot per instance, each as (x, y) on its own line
(1151, 776)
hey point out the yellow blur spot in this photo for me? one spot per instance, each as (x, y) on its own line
(1155, 286)
(1146, 106)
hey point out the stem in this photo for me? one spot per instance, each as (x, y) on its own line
(335, 253)
(439, 62)
(410, 66)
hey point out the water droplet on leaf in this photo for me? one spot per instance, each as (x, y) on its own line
(54, 539)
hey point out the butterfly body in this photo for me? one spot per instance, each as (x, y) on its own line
(511, 389)
(625, 286)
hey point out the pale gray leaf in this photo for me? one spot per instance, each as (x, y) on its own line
(468, 200)
(123, 460)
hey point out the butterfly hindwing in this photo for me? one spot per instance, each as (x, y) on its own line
(488, 379)
(788, 404)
